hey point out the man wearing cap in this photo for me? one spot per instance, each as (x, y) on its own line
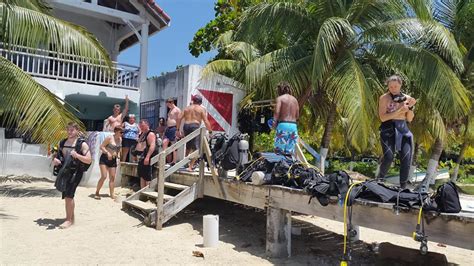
(192, 117)
(170, 132)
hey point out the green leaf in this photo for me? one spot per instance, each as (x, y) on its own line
(31, 107)
(25, 27)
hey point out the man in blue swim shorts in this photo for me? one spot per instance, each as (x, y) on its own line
(285, 116)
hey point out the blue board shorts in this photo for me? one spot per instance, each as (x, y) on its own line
(170, 133)
(286, 137)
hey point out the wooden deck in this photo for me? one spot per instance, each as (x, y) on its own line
(451, 229)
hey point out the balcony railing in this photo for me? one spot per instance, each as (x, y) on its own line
(50, 64)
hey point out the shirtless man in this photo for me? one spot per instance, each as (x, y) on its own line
(170, 132)
(193, 116)
(116, 119)
(286, 114)
(395, 110)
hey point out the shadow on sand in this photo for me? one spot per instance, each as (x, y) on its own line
(50, 224)
(14, 191)
(244, 227)
(5, 216)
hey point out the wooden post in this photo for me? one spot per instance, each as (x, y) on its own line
(203, 142)
(278, 233)
(160, 190)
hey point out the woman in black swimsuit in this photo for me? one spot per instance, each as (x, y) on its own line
(110, 149)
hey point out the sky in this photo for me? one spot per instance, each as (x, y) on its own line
(169, 48)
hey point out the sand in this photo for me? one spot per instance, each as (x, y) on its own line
(30, 212)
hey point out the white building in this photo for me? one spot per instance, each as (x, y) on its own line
(118, 25)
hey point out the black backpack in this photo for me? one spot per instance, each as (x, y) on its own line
(447, 198)
(81, 166)
(230, 156)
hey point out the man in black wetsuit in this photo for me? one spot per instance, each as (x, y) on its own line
(72, 165)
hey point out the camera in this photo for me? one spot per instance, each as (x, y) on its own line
(399, 98)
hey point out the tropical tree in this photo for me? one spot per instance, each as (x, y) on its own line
(458, 17)
(347, 41)
(25, 103)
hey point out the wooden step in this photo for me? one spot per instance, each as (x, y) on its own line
(144, 206)
(175, 186)
(154, 195)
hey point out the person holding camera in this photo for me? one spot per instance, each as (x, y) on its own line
(73, 158)
(110, 149)
(395, 110)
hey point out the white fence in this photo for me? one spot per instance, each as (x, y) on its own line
(50, 64)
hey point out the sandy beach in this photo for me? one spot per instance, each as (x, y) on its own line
(30, 212)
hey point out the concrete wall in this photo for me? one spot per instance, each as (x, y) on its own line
(187, 81)
(18, 158)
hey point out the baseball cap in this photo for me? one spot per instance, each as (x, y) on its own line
(197, 99)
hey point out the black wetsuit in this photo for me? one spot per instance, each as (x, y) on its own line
(396, 137)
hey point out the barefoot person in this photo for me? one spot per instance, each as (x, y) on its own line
(130, 136)
(110, 149)
(395, 110)
(116, 119)
(284, 119)
(192, 117)
(170, 132)
(146, 149)
(73, 156)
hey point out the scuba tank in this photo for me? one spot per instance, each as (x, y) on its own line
(243, 150)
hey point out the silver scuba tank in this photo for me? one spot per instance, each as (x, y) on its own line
(244, 150)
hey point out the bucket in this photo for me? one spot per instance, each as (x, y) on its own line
(210, 230)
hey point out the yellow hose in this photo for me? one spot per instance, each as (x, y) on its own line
(345, 216)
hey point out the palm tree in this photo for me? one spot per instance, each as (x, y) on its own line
(26, 104)
(347, 41)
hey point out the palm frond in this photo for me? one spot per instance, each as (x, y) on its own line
(292, 18)
(258, 69)
(445, 12)
(224, 39)
(31, 107)
(36, 5)
(333, 33)
(226, 67)
(242, 51)
(350, 89)
(429, 34)
(431, 74)
(423, 9)
(25, 27)
(370, 13)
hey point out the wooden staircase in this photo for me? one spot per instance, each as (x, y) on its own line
(162, 200)
(176, 197)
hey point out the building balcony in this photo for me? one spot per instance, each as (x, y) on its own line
(52, 65)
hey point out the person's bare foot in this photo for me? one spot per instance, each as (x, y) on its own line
(97, 196)
(65, 225)
(113, 197)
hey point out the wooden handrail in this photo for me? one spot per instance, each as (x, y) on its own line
(162, 174)
(177, 145)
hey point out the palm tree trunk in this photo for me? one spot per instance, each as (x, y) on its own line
(433, 163)
(454, 177)
(303, 98)
(326, 140)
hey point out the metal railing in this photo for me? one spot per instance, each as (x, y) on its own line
(54, 65)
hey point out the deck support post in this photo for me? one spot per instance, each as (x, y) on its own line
(278, 233)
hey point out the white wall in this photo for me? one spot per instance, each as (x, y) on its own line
(101, 29)
(18, 158)
(183, 83)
